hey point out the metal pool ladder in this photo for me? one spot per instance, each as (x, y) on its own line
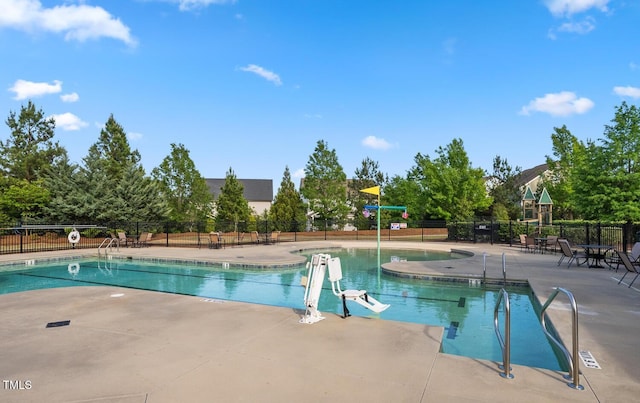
(574, 366)
(109, 242)
(505, 344)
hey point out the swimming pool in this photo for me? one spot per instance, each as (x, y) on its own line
(466, 312)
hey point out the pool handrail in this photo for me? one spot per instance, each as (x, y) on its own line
(505, 344)
(574, 367)
(109, 242)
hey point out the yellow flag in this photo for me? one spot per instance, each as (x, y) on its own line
(374, 190)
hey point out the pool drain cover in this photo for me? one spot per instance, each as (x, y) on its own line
(588, 360)
(58, 324)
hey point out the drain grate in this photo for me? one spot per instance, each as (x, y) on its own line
(58, 324)
(461, 302)
(588, 360)
(215, 301)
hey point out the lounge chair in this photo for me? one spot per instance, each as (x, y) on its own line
(142, 240)
(523, 241)
(628, 264)
(216, 241)
(571, 254)
(122, 238)
(255, 238)
(275, 235)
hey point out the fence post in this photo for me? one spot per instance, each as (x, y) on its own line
(491, 230)
(586, 232)
(325, 229)
(21, 241)
(625, 235)
(510, 232)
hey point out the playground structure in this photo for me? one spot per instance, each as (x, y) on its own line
(318, 266)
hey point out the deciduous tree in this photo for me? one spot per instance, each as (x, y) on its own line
(505, 190)
(451, 188)
(607, 179)
(567, 150)
(184, 189)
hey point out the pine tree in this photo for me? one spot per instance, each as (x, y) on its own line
(288, 210)
(231, 206)
(325, 185)
(30, 149)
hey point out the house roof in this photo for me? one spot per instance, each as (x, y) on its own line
(254, 189)
(530, 174)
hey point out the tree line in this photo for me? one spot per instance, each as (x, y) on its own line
(592, 180)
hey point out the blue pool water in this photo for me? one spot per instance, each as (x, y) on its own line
(466, 312)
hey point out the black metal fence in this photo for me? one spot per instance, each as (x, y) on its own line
(23, 238)
(620, 236)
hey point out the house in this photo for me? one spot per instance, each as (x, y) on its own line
(535, 207)
(532, 176)
(258, 192)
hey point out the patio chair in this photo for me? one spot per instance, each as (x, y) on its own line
(216, 241)
(628, 264)
(255, 238)
(530, 244)
(571, 254)
(122, 238)
(142, 240)
(613, 260)
(523, 241)
(552, 243)
(274, 236)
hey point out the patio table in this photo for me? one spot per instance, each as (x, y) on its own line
(596, 253)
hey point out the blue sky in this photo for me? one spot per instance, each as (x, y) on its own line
(254, 84)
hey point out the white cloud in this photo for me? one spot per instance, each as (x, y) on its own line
(69, 122)
(299, 173)
(376, 143)
(266, 74)
(29, 89)
(633, 66)
(188, 5)
(564, 103)
(561, 8)
(583, 27)
(313, 116)
(77, 22)
(134, 136)
(633, 92)
(73, 97)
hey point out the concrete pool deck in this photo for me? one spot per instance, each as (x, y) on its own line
(125, 345)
